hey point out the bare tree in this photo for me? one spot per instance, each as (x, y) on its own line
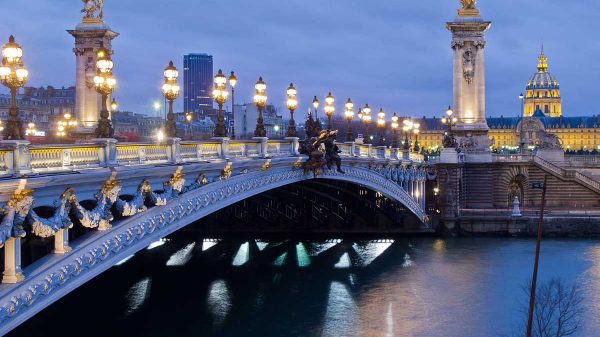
(557, 311)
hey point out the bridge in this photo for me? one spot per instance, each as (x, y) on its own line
(131, 195)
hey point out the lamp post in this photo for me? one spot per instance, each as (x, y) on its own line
(449, 120)
(260, 99)
(407, 128)
(105, 84)
(220, 95)
(521, 138)
(416, 130)
(329, 109)
(349, 114)
(14, 76)
(381, 126)
(189, 117)
(292, 105)
(232, 83)
(316, 125)
(394, 131)
(170, 90)
(30, 129)
(64, 126)
(367, 120)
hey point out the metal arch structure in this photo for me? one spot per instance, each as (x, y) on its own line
(54, 276)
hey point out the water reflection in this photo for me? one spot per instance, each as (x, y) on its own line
(247, 287)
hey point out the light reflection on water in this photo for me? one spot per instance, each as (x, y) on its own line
(409, 287)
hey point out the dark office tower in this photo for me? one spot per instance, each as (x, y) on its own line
(197, 83)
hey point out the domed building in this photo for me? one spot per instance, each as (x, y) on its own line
(543, 92)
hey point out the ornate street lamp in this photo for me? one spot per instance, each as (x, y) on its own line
(395, 126)
(30, 129)
(220, 95)
(260, 99)
(292, 105)
(170, 90)
(65, 125)
(416, 127)
(407, 128)
(105, 84)
(316, 126)
(232, 83)
(449, 120)
(349, 114)
(14, 76)
(329, 109)
(381, 126)
(367, 120)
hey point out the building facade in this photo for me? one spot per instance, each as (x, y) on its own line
(542, 111)
(197, 83)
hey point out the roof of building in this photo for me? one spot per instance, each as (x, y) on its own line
(542, 79)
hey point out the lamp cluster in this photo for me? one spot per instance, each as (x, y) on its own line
(105, 84)
(170, 90)
(13, 75)
(66, 124)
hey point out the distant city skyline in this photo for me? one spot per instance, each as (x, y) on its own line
(390, 54)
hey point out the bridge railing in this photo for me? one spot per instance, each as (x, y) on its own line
(19, 157)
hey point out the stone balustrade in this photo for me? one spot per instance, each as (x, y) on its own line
(19, 157)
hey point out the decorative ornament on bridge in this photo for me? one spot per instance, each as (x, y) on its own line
(227, 171)
(100, 216)
(317, 158)
(131, 205)
(266, 166)
(14, 213)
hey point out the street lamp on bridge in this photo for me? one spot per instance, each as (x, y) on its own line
(170, 90)
(260, 99)
(232, 83)
(449, 120)
(381, 126)
(366, 118)
(349, 113)
(394, 131)
(416, 130)
(14, 76)
(105, 84)
(292, 105)
(407, 128)
(220, 95)
(114, 105)
(329, 109)
(65, 125)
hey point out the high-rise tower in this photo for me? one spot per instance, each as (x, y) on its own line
(197, 83)
(90, 35)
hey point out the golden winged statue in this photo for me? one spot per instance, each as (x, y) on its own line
(468, 4)
(92, 9)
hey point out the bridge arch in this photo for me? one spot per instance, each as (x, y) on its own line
(101, 250)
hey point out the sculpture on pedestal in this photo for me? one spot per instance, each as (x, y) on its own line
(468, 4)
(93, 9)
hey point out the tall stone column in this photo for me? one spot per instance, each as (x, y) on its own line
(90, 35)
(468, 43)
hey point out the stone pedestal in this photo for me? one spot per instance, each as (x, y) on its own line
(12, 261)
(61, 241)
(295, 145)
(21, 158)
(224, 151)
(175, 150)
(264, 146)
(90, 35)
(449, 156)
(108, 151)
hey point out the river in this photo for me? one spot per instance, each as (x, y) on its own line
(186, 286)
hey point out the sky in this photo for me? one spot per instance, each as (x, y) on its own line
(393, 54)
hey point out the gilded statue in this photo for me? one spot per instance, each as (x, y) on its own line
(92, 9)
(468, 4)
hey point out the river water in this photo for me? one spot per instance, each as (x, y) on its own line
(246, 287)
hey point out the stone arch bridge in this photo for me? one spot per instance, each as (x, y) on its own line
(131, 195)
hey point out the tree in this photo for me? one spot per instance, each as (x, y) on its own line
(557, 311)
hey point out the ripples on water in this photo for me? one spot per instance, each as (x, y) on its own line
(406, 287)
